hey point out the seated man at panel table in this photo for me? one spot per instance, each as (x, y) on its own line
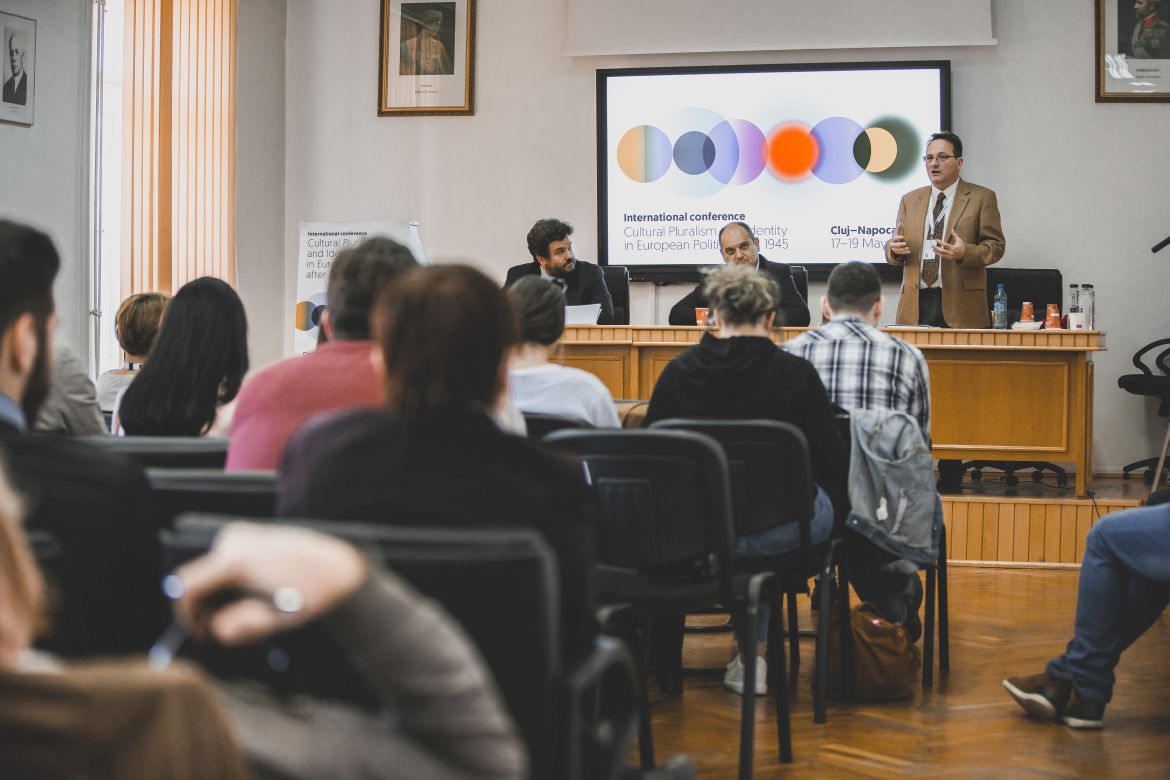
(339, 374)
(1124, 588)
(551, 247)
(863, 368)
(945, 237)
(739, 246)
(95, 505)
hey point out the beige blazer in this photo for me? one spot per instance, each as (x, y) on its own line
(974, 216)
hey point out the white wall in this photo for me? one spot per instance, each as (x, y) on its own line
(260, 122)
(1081, 185)
(44, 169)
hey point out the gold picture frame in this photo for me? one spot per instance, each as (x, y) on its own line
(1133, 51)
(427, 58)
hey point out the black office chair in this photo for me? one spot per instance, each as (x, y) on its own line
(501, 586)
(1157, 386)
(936, 590)
(617, 280)
(175, 452)
(771, 485)
(539, 425)
(664, 540)
(247, 493)
(800, 278)
(1040, 286)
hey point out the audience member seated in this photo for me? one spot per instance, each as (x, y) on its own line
(71, 408)
(196, 366)
(738, 245)
(435, 456)
(94, 504)
(741, 374)
(136, 325)
(539, 386)
(863, 368)
(130, 719)
(1124, 588)
(551, 248)
(339, 374)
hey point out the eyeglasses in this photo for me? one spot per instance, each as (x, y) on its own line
(942, 158)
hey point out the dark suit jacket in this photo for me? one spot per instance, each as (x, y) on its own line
(791, 311)
(586, 284)
(96, 507)
(14, 94)
(452, 469)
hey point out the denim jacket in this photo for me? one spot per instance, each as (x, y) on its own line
(891, 485)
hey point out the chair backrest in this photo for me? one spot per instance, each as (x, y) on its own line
(617, 280)
(800, 277)
(499, 584)
(1041, 286)
(175, 452)
(664, 497)
(539, 425)
(246, 493)
(769, 466)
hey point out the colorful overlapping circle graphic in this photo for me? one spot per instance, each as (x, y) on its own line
(308, 313)
(836, 150)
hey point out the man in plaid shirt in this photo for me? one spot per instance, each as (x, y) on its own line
(861, 367)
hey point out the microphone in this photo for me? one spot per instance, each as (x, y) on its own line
(1161, 244)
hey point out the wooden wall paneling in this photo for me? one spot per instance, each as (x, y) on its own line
(975, 531)
(1068, 534)
(1084, 523)
(1036, 533)
(1007, 533)
(990, 547)
(1023, 533)
(1051, 534)
(958, 531)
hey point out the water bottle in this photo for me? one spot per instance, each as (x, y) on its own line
(1074, 297)
(1089, 306)
(999, 309)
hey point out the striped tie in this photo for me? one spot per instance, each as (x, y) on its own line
(930, 267)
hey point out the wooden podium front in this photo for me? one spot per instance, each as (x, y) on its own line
(994, 394)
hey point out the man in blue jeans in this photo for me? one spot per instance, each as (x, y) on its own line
(1125, 585)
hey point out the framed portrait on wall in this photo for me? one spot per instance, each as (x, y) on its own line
(427, 58)
(18, 36)
(1133, 51)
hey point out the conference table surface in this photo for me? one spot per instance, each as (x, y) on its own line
(995, 394)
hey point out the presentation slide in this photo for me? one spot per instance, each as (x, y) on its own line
(813, 158)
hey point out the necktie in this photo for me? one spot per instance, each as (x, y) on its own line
(930, 266)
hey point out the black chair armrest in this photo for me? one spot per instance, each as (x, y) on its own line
(605, 686)
(1160, 360)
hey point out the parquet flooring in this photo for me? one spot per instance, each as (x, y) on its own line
(1003, 622)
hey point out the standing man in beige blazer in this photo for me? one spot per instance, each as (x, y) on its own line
(945, 246)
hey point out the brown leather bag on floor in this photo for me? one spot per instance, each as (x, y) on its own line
(886, 664)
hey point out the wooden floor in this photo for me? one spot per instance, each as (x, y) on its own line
(1004, 622)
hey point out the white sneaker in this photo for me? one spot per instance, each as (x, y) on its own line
(733, 677)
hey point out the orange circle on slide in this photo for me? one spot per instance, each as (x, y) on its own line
(792, 151)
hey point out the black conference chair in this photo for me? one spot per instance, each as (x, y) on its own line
(771, 485)
(175, 452)
(664, 540)
(246, 493)
(1155, 385)
(617, 280)
(800, 278)
(540, 425)
(501, 586)
(936, 591)
(1040, 286)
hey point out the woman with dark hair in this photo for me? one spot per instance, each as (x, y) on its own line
(538, 385)
(196, 366)
(435, 455)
